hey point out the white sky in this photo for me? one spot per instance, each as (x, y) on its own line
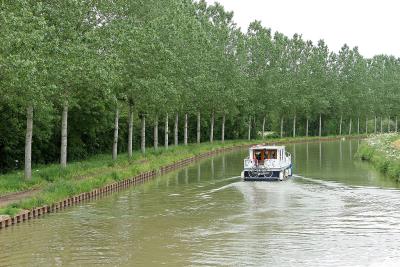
(372, 25)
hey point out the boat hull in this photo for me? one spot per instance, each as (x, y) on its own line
(262, 174)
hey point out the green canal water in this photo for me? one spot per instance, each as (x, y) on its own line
(337, 211)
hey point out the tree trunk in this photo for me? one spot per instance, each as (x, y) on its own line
(294, 126)
(166, 132)
(156, 133)
(320, 125)
(389, 125)
(263, 128)
(366, 125)
(198, 128)
(223, 129)
(130, 132)
(396, 125)
(375, 126)
(143, 135)
(64, 136)
(28, 142)
(249, 130)
(115, 143)
(340, 124)
(185, 132)
(176, 129)
(358, 125)
(350, 126)
(281, 127)
(307, 127)
(212, 127)
(381, 125)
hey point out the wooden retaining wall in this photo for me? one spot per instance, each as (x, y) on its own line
(138, 179)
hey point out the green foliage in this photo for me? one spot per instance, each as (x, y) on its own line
(164, 57)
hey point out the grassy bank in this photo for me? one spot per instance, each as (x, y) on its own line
(56, 183)
(383, 151)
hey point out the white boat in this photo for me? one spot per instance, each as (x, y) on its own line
(267, 163)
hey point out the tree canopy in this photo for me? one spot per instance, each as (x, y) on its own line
(172, 56)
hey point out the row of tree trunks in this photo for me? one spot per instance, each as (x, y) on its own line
(249, 129)
(65, 114)
(64, 132)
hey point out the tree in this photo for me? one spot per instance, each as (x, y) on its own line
(23, 53)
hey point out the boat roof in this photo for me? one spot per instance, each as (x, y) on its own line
(266, 147)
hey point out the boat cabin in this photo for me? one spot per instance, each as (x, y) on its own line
(261, 153)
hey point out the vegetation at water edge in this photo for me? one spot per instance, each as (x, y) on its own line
(383, 151)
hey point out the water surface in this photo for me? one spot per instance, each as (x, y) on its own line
(337, 211)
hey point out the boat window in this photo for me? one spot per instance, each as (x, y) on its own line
(259, 155)
(271, 154)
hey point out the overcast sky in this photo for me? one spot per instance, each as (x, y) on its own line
(372, 25)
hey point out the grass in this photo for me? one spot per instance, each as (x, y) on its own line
(56, 183)
(381, 152)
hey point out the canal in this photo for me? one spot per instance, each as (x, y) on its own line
(336, 211)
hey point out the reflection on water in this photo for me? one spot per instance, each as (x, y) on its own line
(334, 212)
